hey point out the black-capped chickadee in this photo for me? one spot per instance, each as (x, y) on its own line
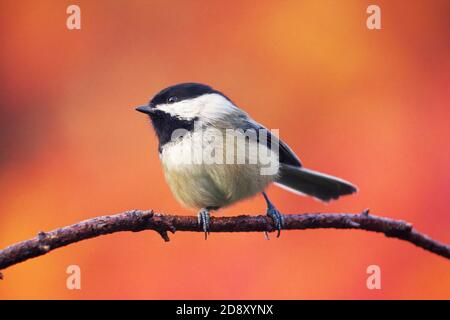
(200, 131)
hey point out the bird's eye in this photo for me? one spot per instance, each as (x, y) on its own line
(172, 99)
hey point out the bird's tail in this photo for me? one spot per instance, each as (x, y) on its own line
(313, 183)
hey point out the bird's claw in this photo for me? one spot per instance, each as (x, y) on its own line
(275, 215)
(277, 218)
(204, 220)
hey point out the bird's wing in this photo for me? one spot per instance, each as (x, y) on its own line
(286, 155)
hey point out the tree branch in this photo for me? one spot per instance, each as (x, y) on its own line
(137, 220)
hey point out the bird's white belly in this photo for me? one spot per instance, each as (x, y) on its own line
(197, 183)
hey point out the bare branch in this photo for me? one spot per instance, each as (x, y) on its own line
(137, 220)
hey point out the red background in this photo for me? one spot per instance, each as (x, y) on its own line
(368, 106)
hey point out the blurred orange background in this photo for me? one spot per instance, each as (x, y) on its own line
(371, 107)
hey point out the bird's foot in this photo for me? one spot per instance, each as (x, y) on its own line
(277, 218)
(204, 220)
(275, 215)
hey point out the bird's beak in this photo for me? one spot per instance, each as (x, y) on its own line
(145, 109)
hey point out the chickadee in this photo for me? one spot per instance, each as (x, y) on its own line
(199, 111)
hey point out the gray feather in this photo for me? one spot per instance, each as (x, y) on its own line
(313, 183)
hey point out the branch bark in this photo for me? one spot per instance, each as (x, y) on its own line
(138, 220)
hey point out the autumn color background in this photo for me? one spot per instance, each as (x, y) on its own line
(369, 106)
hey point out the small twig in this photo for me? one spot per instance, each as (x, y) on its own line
(137, 220)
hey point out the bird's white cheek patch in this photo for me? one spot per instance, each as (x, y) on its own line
(187, 109)
(208, 107)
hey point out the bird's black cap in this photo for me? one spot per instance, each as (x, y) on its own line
(180, 92)
(175, 93)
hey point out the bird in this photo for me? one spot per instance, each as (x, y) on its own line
(192, 120)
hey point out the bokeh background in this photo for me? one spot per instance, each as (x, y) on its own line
(369, 106)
